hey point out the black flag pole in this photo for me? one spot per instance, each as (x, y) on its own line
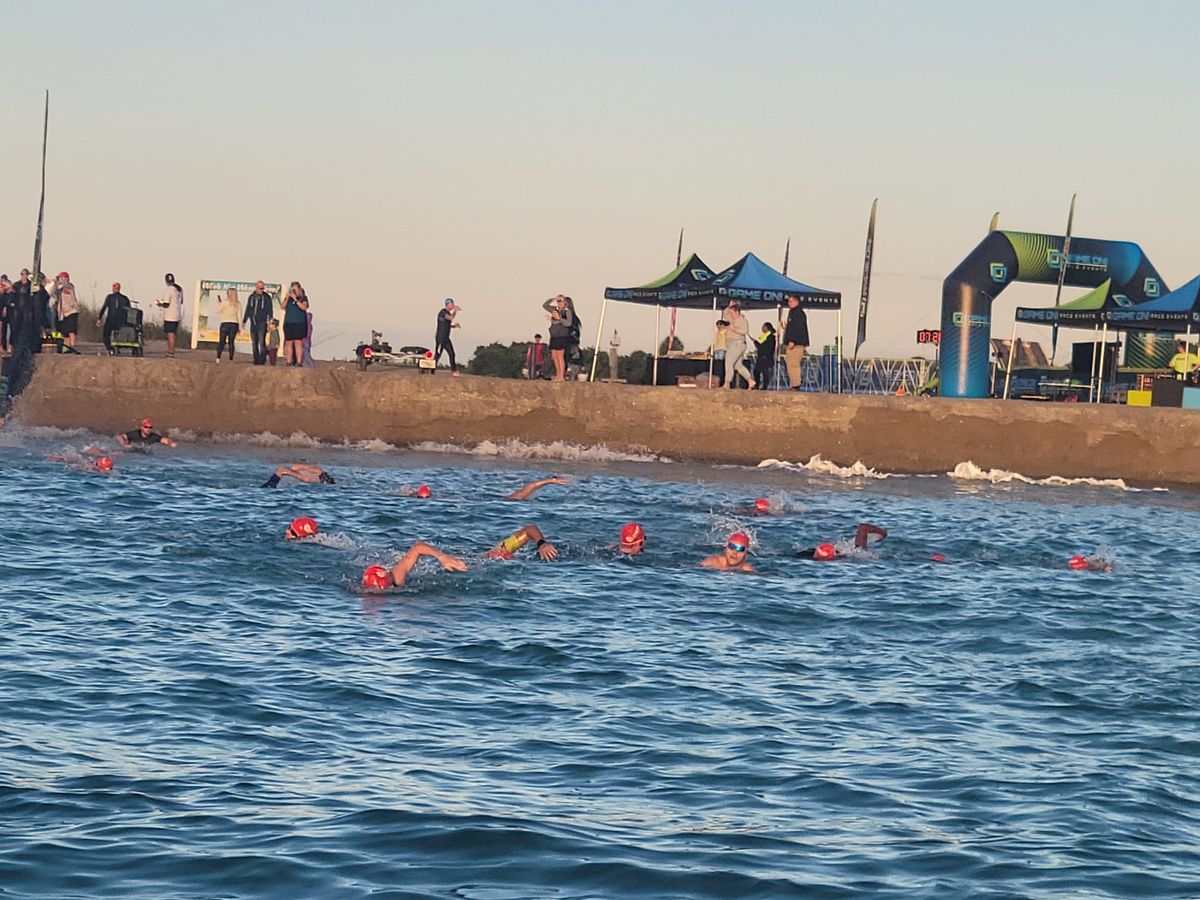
(1062, 275)
(37, 241)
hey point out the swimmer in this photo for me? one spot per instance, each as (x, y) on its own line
(301, 528)
(1079, 563)
(301, 472)
(92, 460)
(533, 487)
(633, 540)
(144, 435)
(827, 552)
(760, 507)
(733, 557)
(421, 492)
(508, 547)
(380, 578)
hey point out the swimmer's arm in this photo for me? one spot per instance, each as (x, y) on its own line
(418, 551)
(122, 439)
(166, 440)
(533, 487)
(865, 530)
(546, 551)
(713, 562)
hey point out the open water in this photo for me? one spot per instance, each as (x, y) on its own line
(191, 707)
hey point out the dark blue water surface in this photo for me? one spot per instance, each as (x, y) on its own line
(191, 707)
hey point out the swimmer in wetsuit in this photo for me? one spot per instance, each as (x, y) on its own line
(508, 547)
(533, 487)
(828, 552)
(144, 436)
(1078, 563)
(309, 474)
(734, 557)
(380, 578)
(760, 507)
(92, 460)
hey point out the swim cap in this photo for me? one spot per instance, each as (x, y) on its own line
(937, 557)
(424, 492)
(146, 423)
(376, 577)
(762, 504)
(739, 537)
(1077, 563)
(303, 527)
(104, 464)
(632, 533)
(825, 551)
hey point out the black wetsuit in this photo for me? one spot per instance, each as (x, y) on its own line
(259, 308)
(136, 438)
(444, 321)
(113, 314)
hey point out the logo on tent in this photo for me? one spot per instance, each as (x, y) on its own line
(1121, 300)
(1150, 287)
(999, 272)
(701, 274)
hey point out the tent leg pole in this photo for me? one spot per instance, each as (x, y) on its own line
(596, 349)
(1092, 379)
(711, 349)
(1100, 373)
(657, 327)
(1012, 352)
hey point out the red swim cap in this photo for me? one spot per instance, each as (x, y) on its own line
(376, 577)
(1078, 563)
(762, 504)
(937, 557)
(146, 423)
(739, 537)
(424, 492)
(104, 464)
(632, 533)
(303, 527)
(825, 551)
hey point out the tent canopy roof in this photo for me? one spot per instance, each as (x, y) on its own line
(1176, 311)
(750, 281)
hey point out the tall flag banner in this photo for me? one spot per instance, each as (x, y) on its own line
(786, 253)
(866, 282)
(1062, 274)
(37, 241)
(675, 309)
(995, 222)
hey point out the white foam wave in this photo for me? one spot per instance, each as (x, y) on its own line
(14, 433)
(818, 466)
(968, 471)
(516, 449)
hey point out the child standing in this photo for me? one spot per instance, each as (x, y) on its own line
(272, 341)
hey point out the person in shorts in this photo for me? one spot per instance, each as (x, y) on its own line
(171, 303)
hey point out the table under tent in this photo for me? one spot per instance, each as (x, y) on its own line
(693, 285)
(1101, 310)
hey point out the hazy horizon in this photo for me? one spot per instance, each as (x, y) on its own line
(391, 155)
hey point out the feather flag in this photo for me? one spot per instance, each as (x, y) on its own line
(866, 282)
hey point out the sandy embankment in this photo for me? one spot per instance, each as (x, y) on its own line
(336, 401)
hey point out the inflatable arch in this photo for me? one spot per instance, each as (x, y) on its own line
(1007, 256)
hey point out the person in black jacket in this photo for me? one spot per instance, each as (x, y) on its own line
(258, 313)
(113, 314)
(764, 356)
(445, 321)
(795, 341)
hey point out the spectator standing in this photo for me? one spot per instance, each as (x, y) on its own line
(41, 309)
(795, 342)
(535, 358)
(231, 316)
(259, 311)
(308, 362)
(561, 321)
(6, 307)
(764, 356)
(66, 308)
(445, 321)
(272, 341)
(113, 314)
(718, 350)
(171, 303)
(574, 354)
(22, 320)
(735, 341)
(295, 324)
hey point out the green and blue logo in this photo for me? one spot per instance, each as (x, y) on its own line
(999, 272)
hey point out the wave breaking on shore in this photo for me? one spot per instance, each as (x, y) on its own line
(968, 471)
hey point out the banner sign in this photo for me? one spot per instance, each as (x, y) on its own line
(206, 311)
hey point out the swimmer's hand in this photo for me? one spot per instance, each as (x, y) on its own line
(558, 479)
(547, 551)
(452, 563)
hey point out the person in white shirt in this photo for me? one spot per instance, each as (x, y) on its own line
(230, 311)
(735, 344)
(171, 303)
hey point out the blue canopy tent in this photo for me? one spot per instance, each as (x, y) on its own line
(693, 285)
(1177, 311)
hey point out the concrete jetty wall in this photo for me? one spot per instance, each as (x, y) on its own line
(895, 434)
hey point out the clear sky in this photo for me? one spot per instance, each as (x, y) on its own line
(391, 154)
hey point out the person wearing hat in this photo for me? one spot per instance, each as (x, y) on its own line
(302, 528)
(734, 558)
(112, 313)
(171, 303)
(633, 540)
(380, 578)
(143, 436)
(66, 307)
(445, 321)
(827, 552)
